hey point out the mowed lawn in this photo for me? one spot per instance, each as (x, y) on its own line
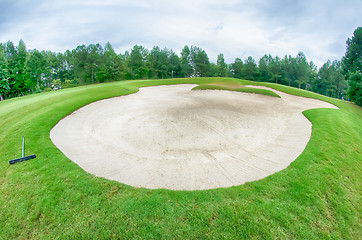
(317, 197)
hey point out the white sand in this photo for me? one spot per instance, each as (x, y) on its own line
(174, 138)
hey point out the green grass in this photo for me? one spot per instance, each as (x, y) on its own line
(317, 197)
(234, 85)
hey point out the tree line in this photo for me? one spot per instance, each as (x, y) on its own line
(25, 71)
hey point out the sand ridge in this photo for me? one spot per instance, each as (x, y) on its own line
(174, 138)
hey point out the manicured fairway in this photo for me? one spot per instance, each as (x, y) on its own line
(50, 197)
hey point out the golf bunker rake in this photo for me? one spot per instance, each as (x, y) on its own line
(23, 158)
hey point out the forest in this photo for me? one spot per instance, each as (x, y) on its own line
(25, 71)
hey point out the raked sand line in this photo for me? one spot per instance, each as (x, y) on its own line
(174, 138)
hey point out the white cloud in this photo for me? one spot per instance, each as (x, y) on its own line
(237, 28)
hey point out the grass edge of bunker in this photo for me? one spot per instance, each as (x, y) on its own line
(317, 196)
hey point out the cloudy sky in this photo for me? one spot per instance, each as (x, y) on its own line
(236, 28)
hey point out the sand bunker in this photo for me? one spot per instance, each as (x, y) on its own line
(172, 137)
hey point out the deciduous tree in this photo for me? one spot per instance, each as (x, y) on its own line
(221, 66)
(199, 62)
(136, 62)
(187, 68)
(36, 67)
(251, 69)
(237, 68)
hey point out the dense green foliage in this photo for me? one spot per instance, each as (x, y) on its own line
(24, 72)
(317, 197)
(352, 66)
(355, 87)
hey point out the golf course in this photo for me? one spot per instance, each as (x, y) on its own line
(316, 195)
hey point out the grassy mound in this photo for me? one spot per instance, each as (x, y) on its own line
(234, 85)
(318, 196)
